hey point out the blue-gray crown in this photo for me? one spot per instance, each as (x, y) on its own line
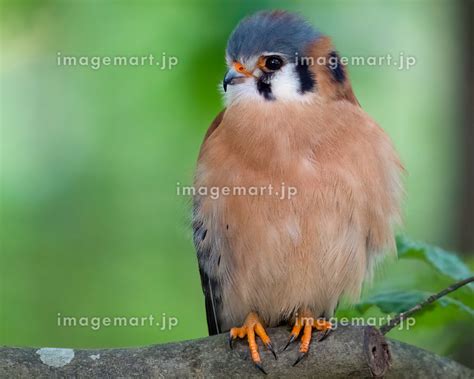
(271, 31)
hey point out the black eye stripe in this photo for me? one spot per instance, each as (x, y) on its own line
(264, 87)
(336, 67)
(306, 78)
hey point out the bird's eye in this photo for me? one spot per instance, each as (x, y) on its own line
(273, 63)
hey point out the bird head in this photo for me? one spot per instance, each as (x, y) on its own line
(272, 55)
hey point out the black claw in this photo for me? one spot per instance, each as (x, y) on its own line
(230, 342)
(300, 357)
(290, 341)
(322, 336)
(259, 366)
(270, 347)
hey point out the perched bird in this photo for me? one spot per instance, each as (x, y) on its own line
(291, 120)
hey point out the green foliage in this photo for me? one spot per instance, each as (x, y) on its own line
(421, 271)
(397, 302)
(441, 261)
(445, 262)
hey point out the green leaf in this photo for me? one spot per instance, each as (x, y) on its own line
(445, 262)
(392, 301)
(397, 302)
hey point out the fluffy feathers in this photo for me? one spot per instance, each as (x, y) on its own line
(278, 256)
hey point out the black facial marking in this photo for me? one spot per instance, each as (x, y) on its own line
(306, 77)
(264, 87)
(336, 67)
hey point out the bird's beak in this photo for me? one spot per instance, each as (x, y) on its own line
(231, 77)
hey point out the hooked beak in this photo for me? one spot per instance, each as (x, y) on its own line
(231, 77)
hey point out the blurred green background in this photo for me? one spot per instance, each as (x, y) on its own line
(90, 159)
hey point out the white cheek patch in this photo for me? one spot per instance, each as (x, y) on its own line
(286, 85)
(285, 82)
(247, 90)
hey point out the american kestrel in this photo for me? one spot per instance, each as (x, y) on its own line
(291, 121)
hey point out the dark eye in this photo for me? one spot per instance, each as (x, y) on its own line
(273, 63)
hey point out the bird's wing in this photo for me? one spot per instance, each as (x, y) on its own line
(210, 285)
(213, 127)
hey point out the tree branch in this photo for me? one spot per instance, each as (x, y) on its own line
(396, 320)
(347, 352)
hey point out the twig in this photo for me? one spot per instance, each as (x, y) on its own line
(396, 320)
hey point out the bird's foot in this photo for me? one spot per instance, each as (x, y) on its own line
(307, 323)
(252, 326)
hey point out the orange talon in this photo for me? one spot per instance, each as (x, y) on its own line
(322, 325)
(295, 332)
(261, 333)
(252, 326)
(306, 339)
(260, 330)
(238, 332)
(307, 323)
(297, 328)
